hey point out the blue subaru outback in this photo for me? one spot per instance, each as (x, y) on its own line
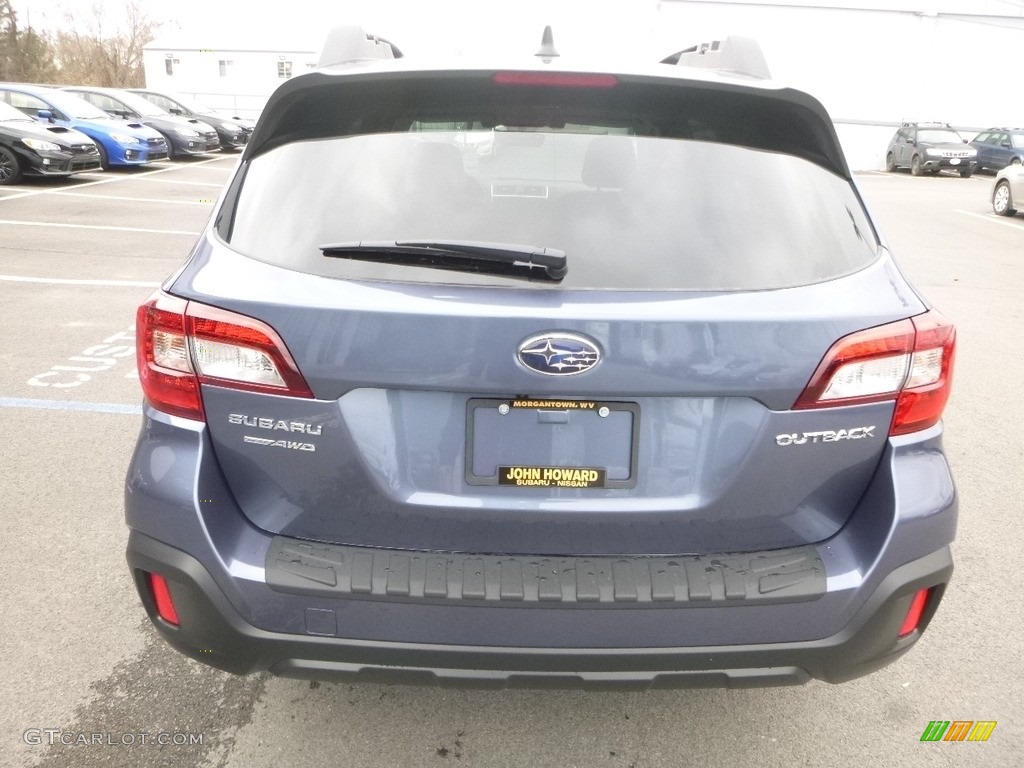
(542, 373)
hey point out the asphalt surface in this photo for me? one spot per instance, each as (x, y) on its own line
(86, 681)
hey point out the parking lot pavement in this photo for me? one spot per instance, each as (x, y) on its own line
(82, 665)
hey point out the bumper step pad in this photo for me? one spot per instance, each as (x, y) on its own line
(331, 570)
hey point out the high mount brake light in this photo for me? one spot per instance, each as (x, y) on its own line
(182, 344)
(909, 361)
(556, 79)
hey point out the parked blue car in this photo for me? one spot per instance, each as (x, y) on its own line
(999, 147)
(120, 143)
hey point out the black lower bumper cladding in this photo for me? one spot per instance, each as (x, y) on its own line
(213, 632)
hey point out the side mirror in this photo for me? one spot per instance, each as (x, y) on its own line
(45, 114)
(176, 111)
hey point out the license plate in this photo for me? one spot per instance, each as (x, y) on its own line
(955, 161)
(552, 477)
(549, 443)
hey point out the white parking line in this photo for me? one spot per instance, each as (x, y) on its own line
(183, 183)
(111, 180)
(992, 218)
(159, 201)
(59, 281)
(69, 405)
(11, 223)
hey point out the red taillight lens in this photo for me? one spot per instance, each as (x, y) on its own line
(181, 344)
(915, 612)
(165, 369)
(161, 593)
(909, 361)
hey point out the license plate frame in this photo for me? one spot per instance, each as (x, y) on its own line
(553, 475)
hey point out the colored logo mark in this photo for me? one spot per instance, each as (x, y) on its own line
(958, 730)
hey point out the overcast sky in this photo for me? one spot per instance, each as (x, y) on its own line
(581, 26)
(411, 24)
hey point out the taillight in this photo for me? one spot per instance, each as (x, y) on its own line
(182, 344)
(161, 592)
(915, 613)
(909, 361)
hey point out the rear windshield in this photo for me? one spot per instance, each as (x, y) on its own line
(631, 209)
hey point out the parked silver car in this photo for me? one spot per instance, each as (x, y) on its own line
(1008, 191)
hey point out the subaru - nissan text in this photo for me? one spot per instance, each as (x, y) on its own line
(637, 397)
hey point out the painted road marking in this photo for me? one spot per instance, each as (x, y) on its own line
(159, 201)
(58, 281)
(98, 358)
(992, 218)
(12, 223)
(68, 405)
(184, 183)
(111, 180)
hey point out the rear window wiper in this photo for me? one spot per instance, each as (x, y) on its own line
(525, 262)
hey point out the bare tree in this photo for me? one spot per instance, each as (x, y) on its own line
(24, 55)
(90, 52)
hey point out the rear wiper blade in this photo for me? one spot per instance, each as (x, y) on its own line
(527, 262)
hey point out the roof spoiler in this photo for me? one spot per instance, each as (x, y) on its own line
(737, 55)
(348, 44)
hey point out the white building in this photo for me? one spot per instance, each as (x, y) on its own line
(235, 76)
(873, 63)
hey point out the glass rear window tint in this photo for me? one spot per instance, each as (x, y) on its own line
(631, 212)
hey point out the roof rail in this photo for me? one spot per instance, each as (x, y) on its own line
(738, 55)
(347, 44)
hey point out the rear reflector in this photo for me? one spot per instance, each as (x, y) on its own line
(909, 361)
(916, 611)
(556, 79)
(182, 344)
(161, 593)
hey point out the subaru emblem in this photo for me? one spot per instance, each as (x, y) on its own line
(559, 354)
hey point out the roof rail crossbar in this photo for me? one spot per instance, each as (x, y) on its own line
(348, 44)
(738, 55)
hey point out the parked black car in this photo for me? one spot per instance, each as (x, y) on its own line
(999, 147)
(930, 147)
(233, 131)
(184, 136)
(28, 148)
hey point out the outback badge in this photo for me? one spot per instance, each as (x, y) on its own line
(558, 354)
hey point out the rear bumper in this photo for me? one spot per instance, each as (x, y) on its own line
(212, 631)
(248, 600)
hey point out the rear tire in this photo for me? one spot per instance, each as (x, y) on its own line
(1001, 202)
(915, 166)
(890, 163)
(10, 167)
(966, 173)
